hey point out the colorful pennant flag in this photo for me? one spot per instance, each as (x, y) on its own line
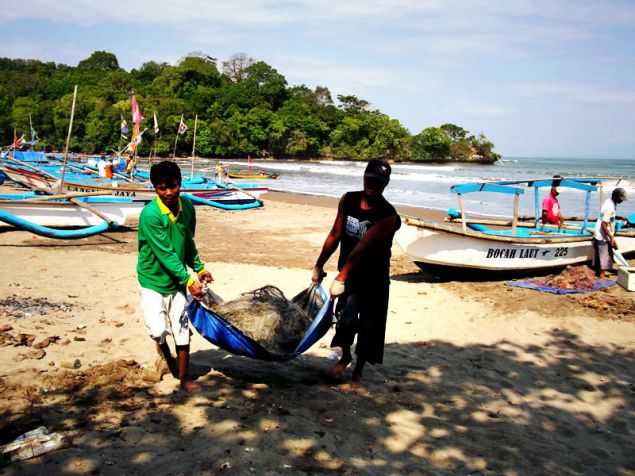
(137, 138)
(137, 116)
(182, 126)
(123, 127)
(34, 137)
(20, 142)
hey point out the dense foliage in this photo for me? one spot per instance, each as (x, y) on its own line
(246, 107)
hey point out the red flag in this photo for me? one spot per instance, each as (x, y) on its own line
(18, 142)
(137, 116)
(182, 126)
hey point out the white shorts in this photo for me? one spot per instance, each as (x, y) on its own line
(166, 315)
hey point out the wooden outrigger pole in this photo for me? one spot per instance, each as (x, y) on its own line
(193, 148)
(61, 186)
(68, 139)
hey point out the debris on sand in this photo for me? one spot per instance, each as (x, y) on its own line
(21, 307)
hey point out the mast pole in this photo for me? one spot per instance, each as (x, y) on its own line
(68, 140)
(193, 148)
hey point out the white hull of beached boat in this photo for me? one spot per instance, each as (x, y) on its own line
(67, 214)
(435, 246)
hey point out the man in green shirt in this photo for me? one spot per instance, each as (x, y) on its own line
(166, 248)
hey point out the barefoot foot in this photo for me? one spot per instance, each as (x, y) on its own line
(356, 381)
(340, 367)
(189, 386)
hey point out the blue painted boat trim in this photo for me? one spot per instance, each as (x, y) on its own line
(211, 203)
(55, 233)
(485, 187)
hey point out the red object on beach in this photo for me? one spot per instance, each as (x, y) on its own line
(573, 277)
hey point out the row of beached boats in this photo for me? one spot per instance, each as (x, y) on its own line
(66, 194)
(71, 194)
(466, 245)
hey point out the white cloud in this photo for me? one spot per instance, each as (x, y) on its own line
(425, 62)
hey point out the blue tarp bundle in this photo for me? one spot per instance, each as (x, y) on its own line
(597, 285)
(221, 333)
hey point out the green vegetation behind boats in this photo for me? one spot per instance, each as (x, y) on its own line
(243, 107)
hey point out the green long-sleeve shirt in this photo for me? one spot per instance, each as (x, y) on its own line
(166, 246)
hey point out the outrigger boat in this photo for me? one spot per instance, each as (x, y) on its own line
(251, 176)
(45, 210)
(43, 178)
(48, 215)
(521, 245)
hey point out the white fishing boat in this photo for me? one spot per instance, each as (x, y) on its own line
(518, 246)
(63, 213)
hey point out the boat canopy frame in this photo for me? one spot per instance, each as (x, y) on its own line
(587, 185)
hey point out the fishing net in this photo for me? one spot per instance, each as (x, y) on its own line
(268, 317)
(573, 277)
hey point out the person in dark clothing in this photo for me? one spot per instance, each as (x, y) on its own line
(364, 229)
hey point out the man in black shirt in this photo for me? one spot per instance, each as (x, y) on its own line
(364, 229)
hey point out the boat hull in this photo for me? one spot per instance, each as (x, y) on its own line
(228, 196)
(69, 215)
(251, 176)
(436, 249)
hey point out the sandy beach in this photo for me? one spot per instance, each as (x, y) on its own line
(478, 377)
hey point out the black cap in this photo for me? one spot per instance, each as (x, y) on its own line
(619, 193)
(379, 169)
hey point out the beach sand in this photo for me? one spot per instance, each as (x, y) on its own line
(478, 377)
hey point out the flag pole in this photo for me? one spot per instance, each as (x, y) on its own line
(175, 141)
(68, 139)
(155, 129)
(193, 148)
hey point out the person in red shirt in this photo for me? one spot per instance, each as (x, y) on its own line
(551, 209)
(108, 169)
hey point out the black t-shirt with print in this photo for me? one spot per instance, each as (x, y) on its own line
(375, 264)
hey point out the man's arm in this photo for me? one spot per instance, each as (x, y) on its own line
(607, 230)
(333, 239)
(544, 211)
(544, 216)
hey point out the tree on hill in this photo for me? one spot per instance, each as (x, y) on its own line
(99, 61)
(451, 142)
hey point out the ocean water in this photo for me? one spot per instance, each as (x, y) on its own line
(428, 186)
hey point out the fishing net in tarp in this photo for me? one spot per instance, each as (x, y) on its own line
(263, 323)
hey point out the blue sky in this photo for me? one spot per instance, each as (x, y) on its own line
(538, 77)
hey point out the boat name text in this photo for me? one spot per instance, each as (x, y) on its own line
(511, 253)
(116, 193)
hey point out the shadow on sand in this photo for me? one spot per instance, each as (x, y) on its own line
(432, 408)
